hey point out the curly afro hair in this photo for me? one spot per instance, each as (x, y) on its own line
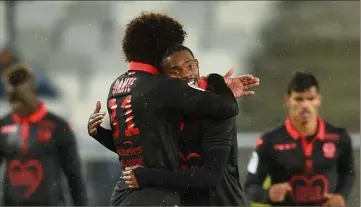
(148, 37)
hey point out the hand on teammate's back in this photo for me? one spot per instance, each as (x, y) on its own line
(95, 119)
(129, 177)
(240, 85)
(278, 192)
(334, 200)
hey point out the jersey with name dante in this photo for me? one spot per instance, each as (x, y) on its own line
(143, 106)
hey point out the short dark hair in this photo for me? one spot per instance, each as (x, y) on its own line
(302, 81)
(176, 48)
(148, 36)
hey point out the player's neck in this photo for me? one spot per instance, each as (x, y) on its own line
(308, 128)
(30, 108)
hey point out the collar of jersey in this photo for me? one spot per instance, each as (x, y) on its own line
(34, 117)
(138, 66)
(296, 135)
(203, 83)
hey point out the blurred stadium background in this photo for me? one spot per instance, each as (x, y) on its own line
(74, 47)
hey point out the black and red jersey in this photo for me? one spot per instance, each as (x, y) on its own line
(313, 166)
(209, 164)
(36, 150)
(145, 110)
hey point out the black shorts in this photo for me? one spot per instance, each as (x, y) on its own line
(124, 196)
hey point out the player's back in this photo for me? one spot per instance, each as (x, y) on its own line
(143, 134)
(228, 190)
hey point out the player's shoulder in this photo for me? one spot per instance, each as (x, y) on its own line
(334, 128)
(58, 120)
(117, 80)
(333, 132)
(274, 134)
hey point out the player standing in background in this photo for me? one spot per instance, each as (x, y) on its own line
(146, 107)
(310, 162)
(36, 146)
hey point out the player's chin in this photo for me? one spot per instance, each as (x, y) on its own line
(17, 106)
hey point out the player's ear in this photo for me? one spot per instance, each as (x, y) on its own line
(319, 99)
(287, 100)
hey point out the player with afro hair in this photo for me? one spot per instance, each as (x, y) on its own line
(148, 37)
(141, 101)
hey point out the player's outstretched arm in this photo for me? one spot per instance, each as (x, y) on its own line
(257, 173)
(105, 138)
(175, 93)
(216, 148)
(345, 166)
(70, 163)
(95, 130)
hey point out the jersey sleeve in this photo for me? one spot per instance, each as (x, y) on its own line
(70, 163)
(175, 93)
(345, 166)
(216, 146)
(105, 138)
(257, 172)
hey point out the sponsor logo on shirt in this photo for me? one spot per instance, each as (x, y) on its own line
(8, 129)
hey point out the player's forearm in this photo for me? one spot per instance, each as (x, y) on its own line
(256, 193)
(228, 105)
(72, 170)
(181, 96)
(202, 177)
(77, 189)
(224, 108)
(345, 184)
(105, 138)
(71, 165)
(346, 169)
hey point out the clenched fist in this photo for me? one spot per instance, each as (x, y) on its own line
(278, 192)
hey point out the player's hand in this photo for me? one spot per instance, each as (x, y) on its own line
(129, 177)
(278, 192)
(240, 85)
(334, 200)
(95, 119)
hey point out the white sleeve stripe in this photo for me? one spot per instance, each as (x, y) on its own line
(253, 163)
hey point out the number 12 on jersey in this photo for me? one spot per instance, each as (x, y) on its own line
(126, 116)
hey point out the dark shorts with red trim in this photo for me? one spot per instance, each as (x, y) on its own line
(124, 196)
